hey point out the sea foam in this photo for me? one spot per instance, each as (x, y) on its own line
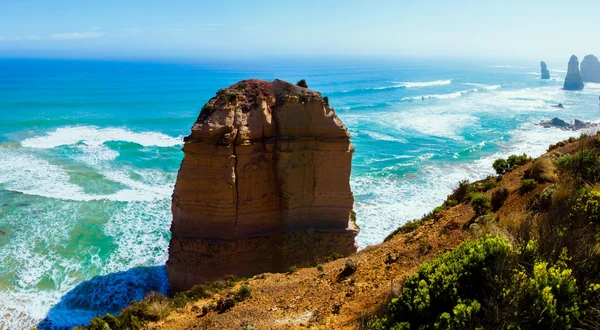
(94, 136)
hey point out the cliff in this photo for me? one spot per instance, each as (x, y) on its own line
(545, 72)
(573, 80)
(590, 69)
(264, 185)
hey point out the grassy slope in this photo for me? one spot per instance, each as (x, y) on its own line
(323, 299)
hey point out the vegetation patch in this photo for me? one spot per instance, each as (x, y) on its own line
(503, 166)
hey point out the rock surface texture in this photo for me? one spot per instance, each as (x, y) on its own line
(264, 185)
(545, 72)
(573, 80)
(590, 69)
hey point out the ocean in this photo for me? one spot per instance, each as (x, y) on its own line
(89, 153)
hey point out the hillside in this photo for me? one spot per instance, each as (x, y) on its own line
(551, 203)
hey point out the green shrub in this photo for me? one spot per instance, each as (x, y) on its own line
(320, 267)
(480, 203)
(502, 166)
(446, 292)
(407, 227)
(460, 192)
(584, 165)
(546, 299)
(499, 196)
(528, 185)
(243, 292)
(587, 205)
(292, 269)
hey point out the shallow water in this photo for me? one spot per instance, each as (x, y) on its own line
(89, 153)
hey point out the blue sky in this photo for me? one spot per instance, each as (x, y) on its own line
(329, 28)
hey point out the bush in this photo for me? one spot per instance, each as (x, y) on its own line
(292, 269)
(460, 192)
(503, 166)
(547, 299)
(528, 185)
(446, 292)
(499, 196)
(243, 292)
(320, 267)
(480, 203)
(583, 166)
(587, 205)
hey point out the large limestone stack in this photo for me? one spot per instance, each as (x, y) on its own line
(590, 69)
(264, 185)
(573, 80)
(545, 72)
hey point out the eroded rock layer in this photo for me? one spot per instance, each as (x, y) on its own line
(573, 80)
(264, 185)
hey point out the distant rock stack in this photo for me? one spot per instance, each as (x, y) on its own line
(590, 69)
(545, 72)
(264, 185)
(573, 80)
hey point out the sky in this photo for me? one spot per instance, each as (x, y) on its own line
(550, 30)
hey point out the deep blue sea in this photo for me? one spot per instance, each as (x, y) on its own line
(89, 153)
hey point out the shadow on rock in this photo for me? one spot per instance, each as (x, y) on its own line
(104, 294)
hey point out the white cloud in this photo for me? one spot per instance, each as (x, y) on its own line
(133, 31)
(75, 35)
(26, 37)
(95, 28)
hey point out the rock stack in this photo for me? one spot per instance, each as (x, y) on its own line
(264, 185)
(590, 69)
(545, 72)
(573, 80)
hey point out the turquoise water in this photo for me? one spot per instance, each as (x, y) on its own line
(89, 153)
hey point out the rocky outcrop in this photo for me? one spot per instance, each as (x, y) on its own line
(590, 69)
(559, 123)
(573, 80)
(264, 185)
(545, 72)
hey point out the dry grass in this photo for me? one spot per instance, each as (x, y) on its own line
(544, 170)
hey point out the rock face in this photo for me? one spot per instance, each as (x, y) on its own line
(545, 72)
(559, 123)
(590, 69)
(264, 185)
(573, 80)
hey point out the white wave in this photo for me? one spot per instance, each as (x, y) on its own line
(558, 70)
(446, 125)
(94, 136)
(383, 137)
(507, 66)
(437, 96)
(32, 175)
(402, 85)
(42, 248)
(423, 83)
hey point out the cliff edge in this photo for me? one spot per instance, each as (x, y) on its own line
(264, 185)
